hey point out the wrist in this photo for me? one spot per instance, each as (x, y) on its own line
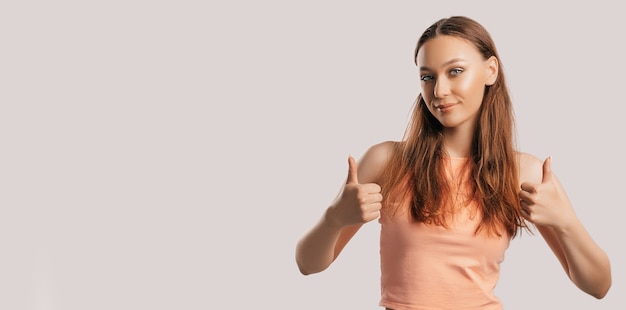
(331, 219)
(567, 225)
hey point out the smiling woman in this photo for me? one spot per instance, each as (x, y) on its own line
(452, 72)
(453, 193)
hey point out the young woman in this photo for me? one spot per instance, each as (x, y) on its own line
(452, 194)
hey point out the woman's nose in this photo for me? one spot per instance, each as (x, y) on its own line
(442, 88)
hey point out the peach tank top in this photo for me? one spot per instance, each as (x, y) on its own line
(433, 267)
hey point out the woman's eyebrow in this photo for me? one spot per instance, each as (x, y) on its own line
(449, 62)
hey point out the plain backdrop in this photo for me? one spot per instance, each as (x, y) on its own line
(169, 154)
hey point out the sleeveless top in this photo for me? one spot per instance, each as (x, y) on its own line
(426, 266)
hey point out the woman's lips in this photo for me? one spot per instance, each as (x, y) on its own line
(445, 107)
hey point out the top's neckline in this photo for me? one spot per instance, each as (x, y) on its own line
(457, 158)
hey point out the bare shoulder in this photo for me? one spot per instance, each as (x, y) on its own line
(530, 168)
(374, 161)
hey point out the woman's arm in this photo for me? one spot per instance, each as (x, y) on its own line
(359, 202)
(584, 261)
(545, 204)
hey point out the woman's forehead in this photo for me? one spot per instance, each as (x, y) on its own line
(444, 49)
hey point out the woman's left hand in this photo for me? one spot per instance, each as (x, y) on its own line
(546, 203)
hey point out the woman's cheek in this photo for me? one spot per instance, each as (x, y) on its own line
(470, 87)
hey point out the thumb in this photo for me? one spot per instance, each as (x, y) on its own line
(352, 171)
(547, 169)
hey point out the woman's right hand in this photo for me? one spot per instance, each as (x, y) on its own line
(355, 205)
(358, 203)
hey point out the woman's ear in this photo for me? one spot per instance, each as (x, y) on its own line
(492, 70)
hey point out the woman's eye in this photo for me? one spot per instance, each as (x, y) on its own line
(456, 71)
(426, 78)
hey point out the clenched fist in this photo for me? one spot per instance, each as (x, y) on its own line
(546, 203)
(358, 203)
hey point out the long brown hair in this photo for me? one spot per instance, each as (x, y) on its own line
(416, 171)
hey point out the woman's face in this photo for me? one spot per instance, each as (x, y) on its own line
(453, 77)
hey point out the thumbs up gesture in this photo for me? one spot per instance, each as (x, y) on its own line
(546, 203)
(358, 203)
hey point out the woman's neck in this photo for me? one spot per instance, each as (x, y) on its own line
(458, 142)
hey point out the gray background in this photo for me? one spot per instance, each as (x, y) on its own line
(169, 154)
